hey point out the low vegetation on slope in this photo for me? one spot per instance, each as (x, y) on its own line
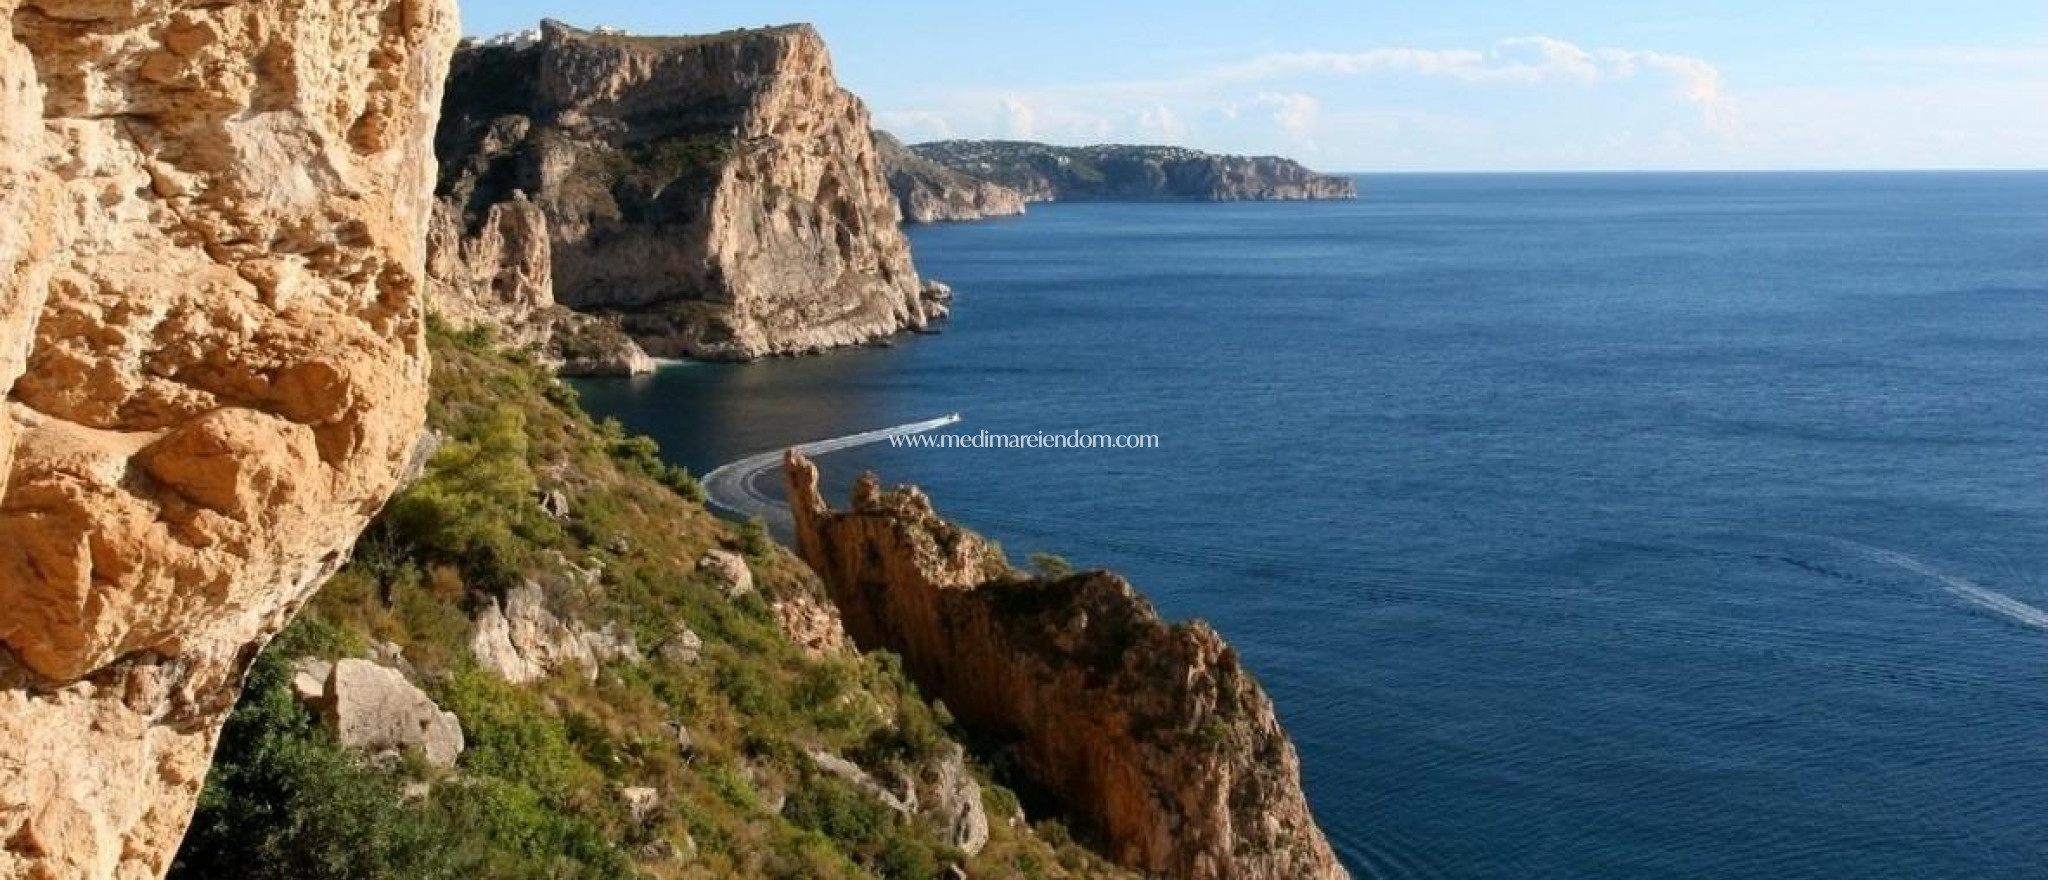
(686, 764)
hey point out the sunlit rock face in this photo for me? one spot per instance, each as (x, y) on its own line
(1152, 733)
(719, 196)
(212, 352)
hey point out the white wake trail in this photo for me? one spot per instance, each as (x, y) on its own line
(1969, 591)
(731, 486)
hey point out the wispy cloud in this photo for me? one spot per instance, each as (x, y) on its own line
(1021, 118)
(1295, 113)
(1281, 89)
(1531, 60)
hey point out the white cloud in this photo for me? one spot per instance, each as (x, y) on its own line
(1160, 120)
(1539, 102)
(1294, 112)
(1021, 118)
(1698, 82)
(1533, 60)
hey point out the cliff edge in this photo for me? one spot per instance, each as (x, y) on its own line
(932, 193)
(1152, 733)
(719, 197)
(1046, 173)
(211, 344)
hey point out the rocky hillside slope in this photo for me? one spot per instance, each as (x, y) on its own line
(1152, 733)
(549, 661)
(215, 370)
(932, 193)
(720, 197)
(1044, 173)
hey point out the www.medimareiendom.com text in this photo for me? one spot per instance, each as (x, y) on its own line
(1041, 440)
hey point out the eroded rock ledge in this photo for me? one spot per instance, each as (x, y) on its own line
(719, 196)
(214, 371)
(1154, 733)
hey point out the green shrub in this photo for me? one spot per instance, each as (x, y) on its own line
(905, 858)
(285, 802)
(755, 540)
(1050, 565)
(475, 505)
(510, 735)
(830, 807)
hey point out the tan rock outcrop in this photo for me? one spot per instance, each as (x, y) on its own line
(721, 196)
(728, 572)
(375, 710)
(522, 640)
(499, 275)
(211, 348)
(1153, 733)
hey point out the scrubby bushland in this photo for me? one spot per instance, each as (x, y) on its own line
(537, 793)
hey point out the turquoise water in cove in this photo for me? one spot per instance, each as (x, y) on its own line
(1582, 526)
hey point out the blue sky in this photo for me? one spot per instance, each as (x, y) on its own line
(1354, 85)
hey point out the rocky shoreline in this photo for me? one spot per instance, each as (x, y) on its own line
(1046, 173)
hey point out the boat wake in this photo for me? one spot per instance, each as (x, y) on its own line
(731, 487)
(1967, 590)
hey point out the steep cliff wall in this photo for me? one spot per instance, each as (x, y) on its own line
(1152, 732)
(719, 195)
(932, 193)
(499, 275)
(211, 348)
(1044, 173)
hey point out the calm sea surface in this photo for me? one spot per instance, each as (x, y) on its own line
(1631, 526)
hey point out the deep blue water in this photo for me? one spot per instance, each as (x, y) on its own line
(1632, 526)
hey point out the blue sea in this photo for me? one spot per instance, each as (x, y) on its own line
(1582, 526)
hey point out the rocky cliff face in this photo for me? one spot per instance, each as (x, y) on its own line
(1044, 173)
(211, 347)
(929, 192)
(1154, 733)
(498, 274)
(720, 196)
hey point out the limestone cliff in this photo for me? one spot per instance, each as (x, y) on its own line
(499, 276)
(1045, 173)
(719, 196)
(929, 192)
(212, 354)
(1153, 733)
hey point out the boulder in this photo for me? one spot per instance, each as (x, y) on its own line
(309, 680)
(643, 804)
(683, 647)
(374, 709)
(952, 801)
(553, 502)
(729, 572)
(904, 802)
(521, 640)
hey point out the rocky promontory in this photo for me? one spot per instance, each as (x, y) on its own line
(1046, 173)
(932, 193)
(1151, 733)
(717, 197)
